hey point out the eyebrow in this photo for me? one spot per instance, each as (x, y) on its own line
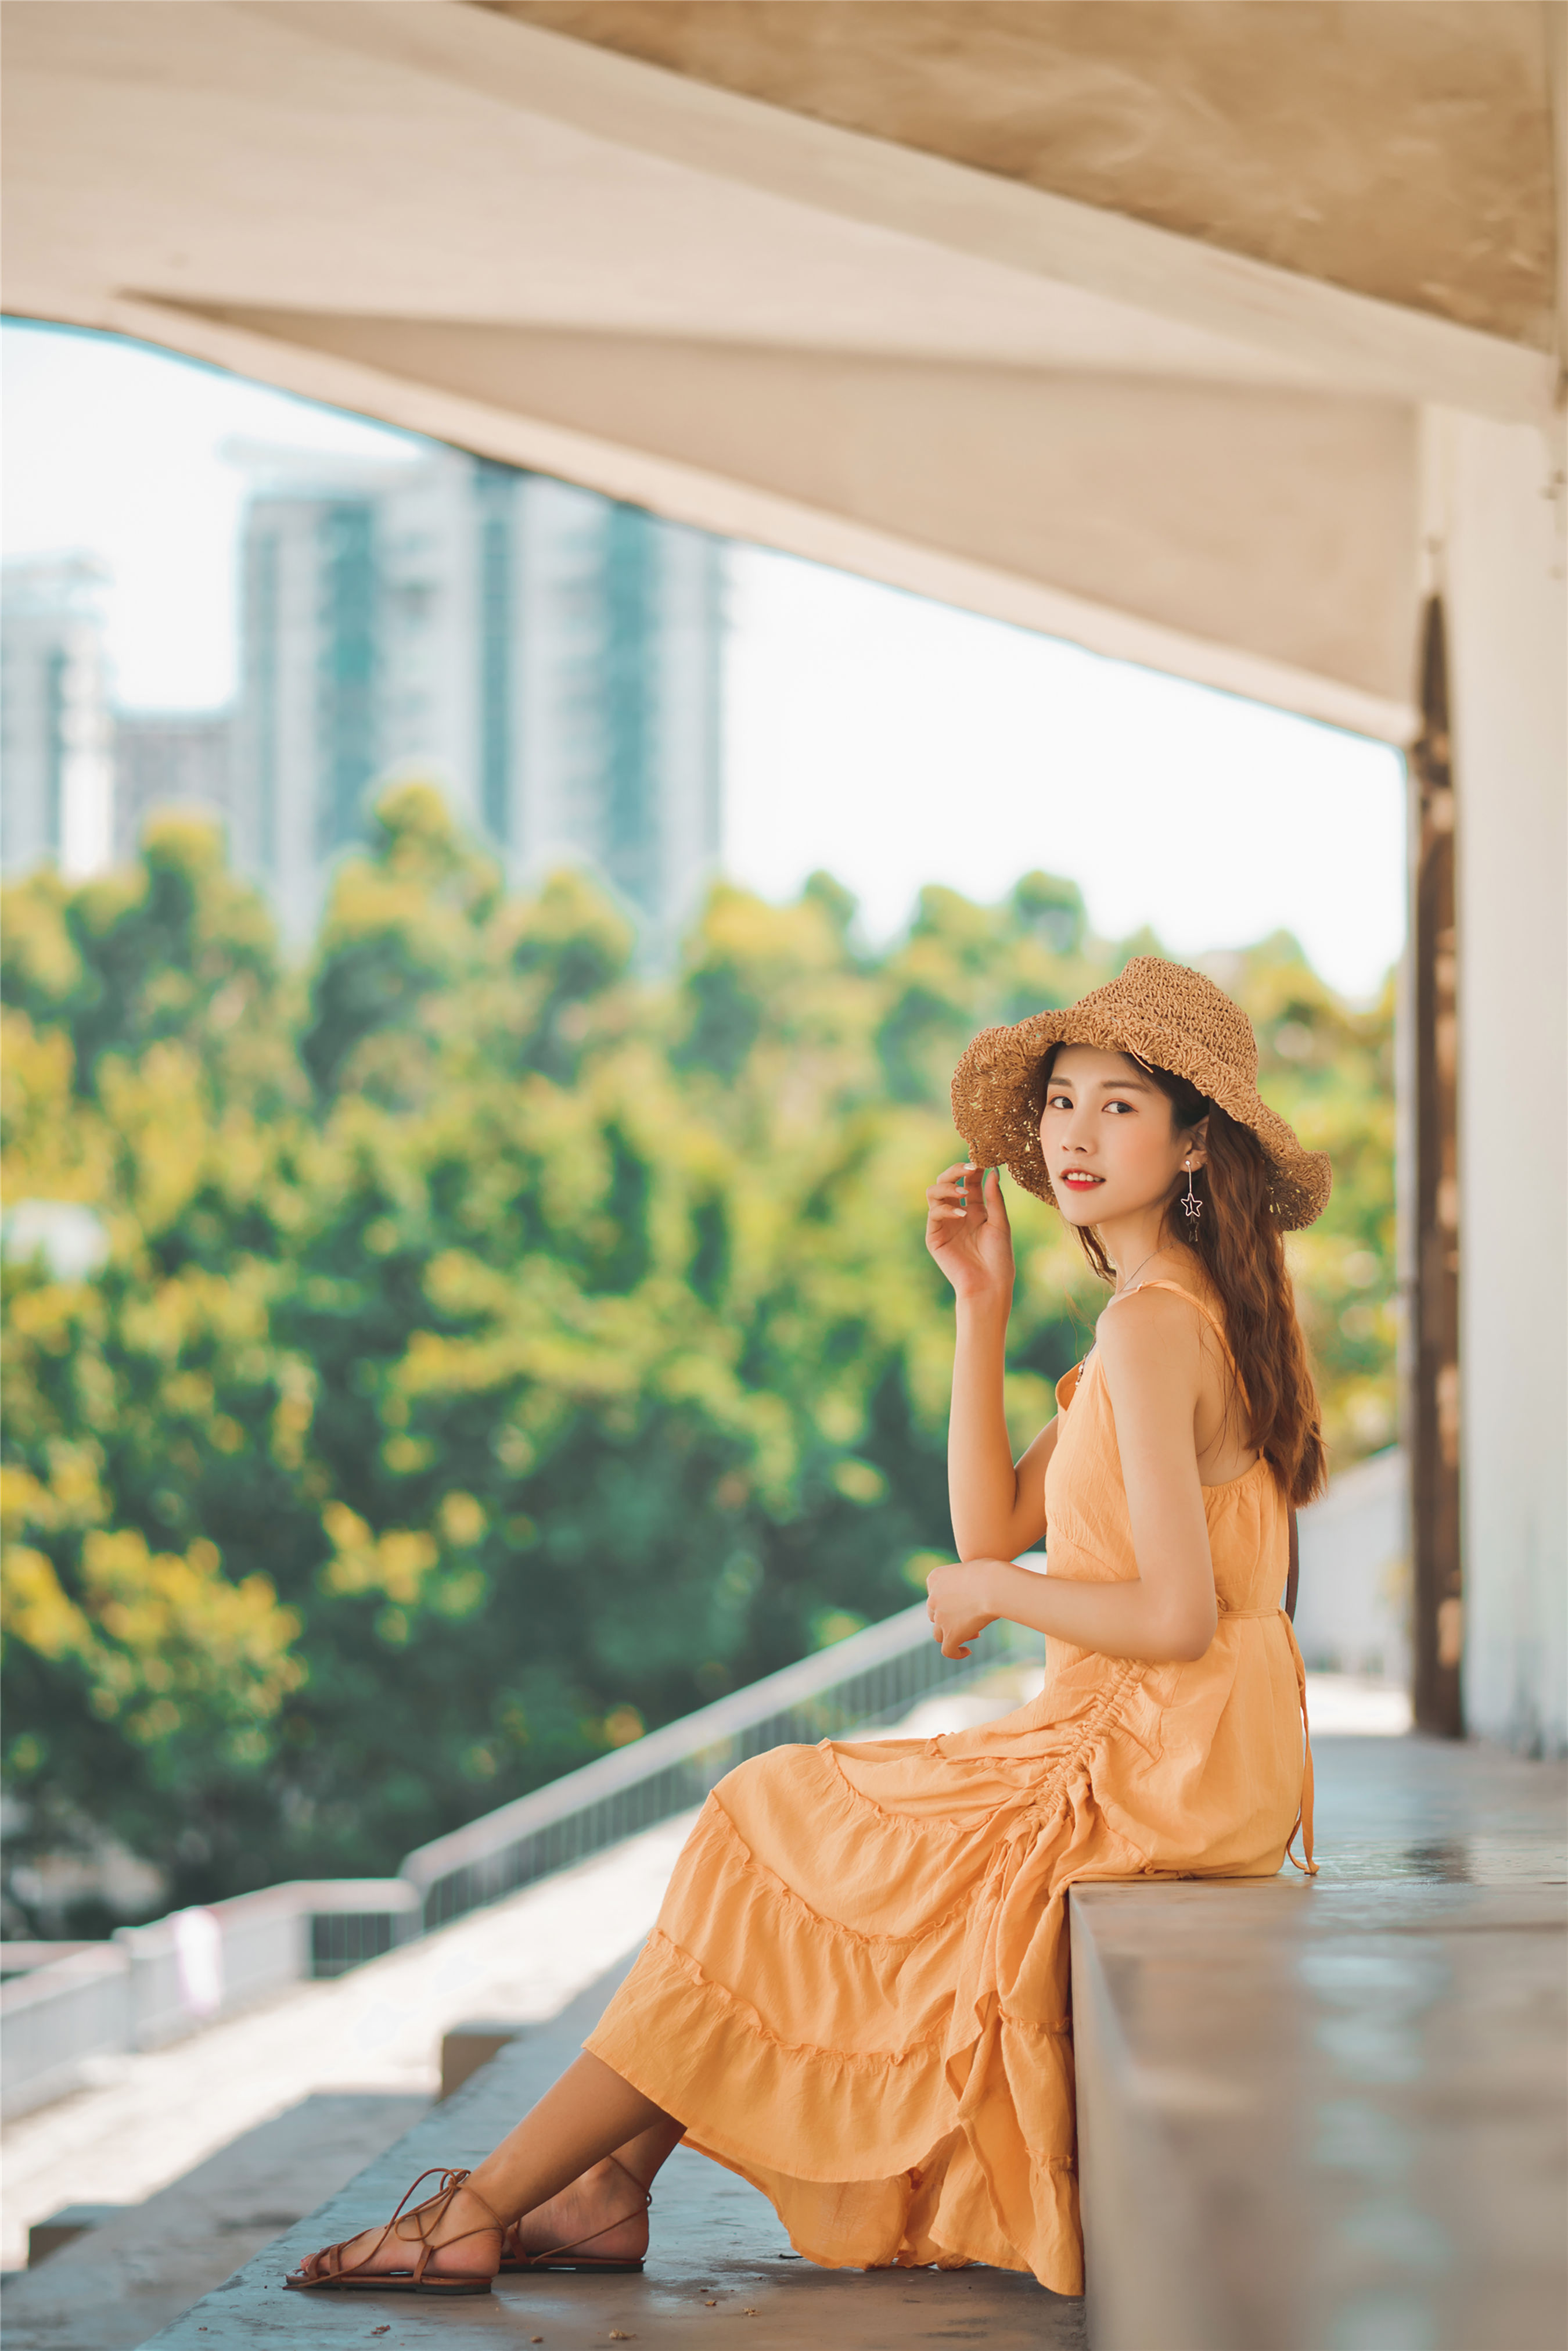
(1108, 1085)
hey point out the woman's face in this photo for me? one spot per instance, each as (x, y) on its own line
(1111, 1149)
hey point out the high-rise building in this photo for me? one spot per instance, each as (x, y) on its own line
(56, 729)
(171, 759)
(552, 657)
(314, 669)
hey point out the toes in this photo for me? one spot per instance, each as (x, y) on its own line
(325, 2262)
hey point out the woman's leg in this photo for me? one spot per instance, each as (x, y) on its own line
(590, 2114)
(602, 2210)
(562, 2173)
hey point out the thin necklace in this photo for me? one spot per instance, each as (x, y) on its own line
(1123, 1286)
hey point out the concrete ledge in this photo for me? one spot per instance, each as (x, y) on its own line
(464, 2048)
(64, 2227)
(1330, 2117)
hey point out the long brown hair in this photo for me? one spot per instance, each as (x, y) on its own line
(1237, 1242)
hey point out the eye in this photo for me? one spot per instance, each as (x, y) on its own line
(1120, 1105)
(1058, 1102)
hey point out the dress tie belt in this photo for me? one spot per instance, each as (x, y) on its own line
(1304, 1818)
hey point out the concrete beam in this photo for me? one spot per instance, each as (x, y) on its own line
(1265, 548)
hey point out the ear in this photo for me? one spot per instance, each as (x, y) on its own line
(1197, 1144)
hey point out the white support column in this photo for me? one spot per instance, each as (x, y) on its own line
(1498, 513)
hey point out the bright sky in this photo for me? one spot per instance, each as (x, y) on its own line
(892, 740)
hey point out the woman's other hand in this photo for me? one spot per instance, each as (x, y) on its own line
(956, 1603)
(968, 1233)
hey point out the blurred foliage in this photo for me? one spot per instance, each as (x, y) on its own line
(494, 1352)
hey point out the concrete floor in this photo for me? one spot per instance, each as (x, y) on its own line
(720, 2268)
(1448, 1811)
(1399, 1821)
(1390, 1811)
(112, 2288)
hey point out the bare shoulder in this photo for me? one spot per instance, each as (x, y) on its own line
(1149, 1331)
(1149, 1315)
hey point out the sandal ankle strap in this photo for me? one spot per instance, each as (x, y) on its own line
(572, 2244)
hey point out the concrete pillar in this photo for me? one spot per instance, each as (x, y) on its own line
(1431, 1206)
(1496, 533)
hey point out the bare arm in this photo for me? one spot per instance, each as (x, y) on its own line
(998, 1509)
(1150, 1351)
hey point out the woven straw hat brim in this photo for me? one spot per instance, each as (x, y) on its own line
(999, 1084)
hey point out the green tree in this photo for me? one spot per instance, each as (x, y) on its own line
(495, 1353)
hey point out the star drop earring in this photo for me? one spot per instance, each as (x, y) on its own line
(1192, 1207)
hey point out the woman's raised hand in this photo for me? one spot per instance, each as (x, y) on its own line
(968, 1233)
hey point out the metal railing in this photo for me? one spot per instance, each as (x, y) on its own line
(147, 1985)
(871, 1679)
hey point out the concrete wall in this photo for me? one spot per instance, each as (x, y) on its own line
(1496, 517)
(1353, 1609)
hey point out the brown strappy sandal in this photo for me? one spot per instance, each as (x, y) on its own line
(355, 2279)
(569, 2257)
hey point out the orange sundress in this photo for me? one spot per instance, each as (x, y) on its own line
(857, 1993)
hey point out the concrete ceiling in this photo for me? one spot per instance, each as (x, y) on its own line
(774, 325)
(1399, 148)
(353, 157)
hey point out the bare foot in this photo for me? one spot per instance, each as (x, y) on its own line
(605, 2213)
(465, 2234)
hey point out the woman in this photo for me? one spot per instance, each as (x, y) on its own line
(857, 1993)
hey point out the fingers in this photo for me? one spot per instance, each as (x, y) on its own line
(948, 1196)
(952, 1644)
(949, 1184)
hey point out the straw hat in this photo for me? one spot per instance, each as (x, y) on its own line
(1162, 1013)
